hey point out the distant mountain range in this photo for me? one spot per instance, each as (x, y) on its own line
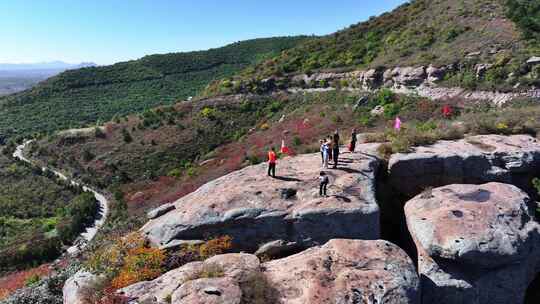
(16, 77)
(53, 65)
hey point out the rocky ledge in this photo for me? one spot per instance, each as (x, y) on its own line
(341, 271)
(474, 160)
(270, 215)
(476, 243)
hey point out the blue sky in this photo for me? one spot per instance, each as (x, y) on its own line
(108, 31)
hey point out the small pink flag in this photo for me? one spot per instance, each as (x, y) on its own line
(397, 124)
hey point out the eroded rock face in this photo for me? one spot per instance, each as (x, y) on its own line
(474, 160)
(78, 288)
(476, 243)
(346, 271)
(249, 206)
(341, 271)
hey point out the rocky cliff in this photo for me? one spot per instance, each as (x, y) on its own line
(421, 80)
(268, 215)
(475, 242)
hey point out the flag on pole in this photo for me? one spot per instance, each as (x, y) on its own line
(284, 148)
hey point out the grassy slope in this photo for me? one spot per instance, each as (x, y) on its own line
(422, 32)
(85, 96)
(163, 160)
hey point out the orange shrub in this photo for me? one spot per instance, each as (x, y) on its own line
(215, 246)
(4, 293)
(140, 264)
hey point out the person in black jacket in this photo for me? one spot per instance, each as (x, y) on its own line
(323, 178)
(352, 145)
(335, 146)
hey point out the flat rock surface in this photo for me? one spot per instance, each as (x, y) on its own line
(249, 206)
(476, 243)
(476, 159)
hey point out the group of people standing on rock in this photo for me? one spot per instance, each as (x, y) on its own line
(329, 148)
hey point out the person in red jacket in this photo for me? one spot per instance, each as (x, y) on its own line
(272, 158)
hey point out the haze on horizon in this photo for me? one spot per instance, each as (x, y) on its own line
(105, 32)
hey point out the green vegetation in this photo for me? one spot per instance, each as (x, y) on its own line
(536, 184)
(520, 119)
(526, 14)
(418, 33)
(38, 213)
(82, 97)
(158, 142)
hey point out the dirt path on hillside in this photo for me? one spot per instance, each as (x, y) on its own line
(90, 232)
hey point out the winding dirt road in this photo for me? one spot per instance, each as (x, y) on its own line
(90, 232)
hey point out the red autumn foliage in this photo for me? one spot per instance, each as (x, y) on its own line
(17, 280)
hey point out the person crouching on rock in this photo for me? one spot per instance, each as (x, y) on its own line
(323, 178)
(272, 158)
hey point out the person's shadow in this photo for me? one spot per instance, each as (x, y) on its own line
(288, 179)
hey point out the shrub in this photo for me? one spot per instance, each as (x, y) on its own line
(87, 155)
(109, 258)
(209, 271)
(385, 96)
(253, 159)
(80, 214)
(385, 150)
(215, 246)
(140, 264)
(209, 113)
(176, 172)
(536, 184)
(297, 141)
(375, 137)
(126, 136)
(33, 279)
(391, 110)
(257, 289)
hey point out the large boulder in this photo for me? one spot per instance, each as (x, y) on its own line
(409, 76)
(255, 209)
(474, 160)
(341, 271)
(217, 278)
(475, 243)
(346, 271)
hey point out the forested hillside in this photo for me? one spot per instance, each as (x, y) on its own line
(501, 34)
(38, 214)
(86, 96)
